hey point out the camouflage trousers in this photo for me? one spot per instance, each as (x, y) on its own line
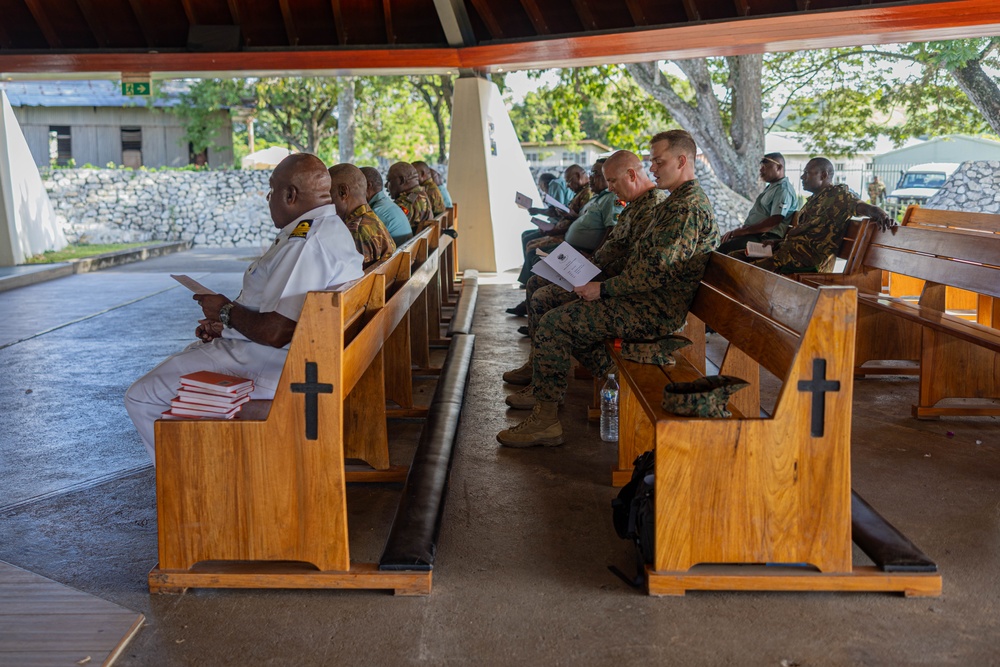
(579, 329)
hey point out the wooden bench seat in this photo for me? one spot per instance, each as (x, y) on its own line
(956, 358)
(260, 501)
(750, 502)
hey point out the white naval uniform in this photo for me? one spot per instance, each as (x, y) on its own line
(277, 282)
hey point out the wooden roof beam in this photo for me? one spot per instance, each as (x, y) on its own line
(234, 11)
(289, 20)
(742, 7)
(691, 9)
(537, 18)
(486, 14)
(338, 18)
(188, 6)
(586, 16)
(94, 23)
(148, 33)
(390, 31)
(636, 12)
(42, 19)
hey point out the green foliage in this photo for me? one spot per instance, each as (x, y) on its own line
(79, 251)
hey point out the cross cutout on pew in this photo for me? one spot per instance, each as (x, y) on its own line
(819, 385)
(311, 388)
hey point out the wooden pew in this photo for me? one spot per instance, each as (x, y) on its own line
(268, 489)
(732, 495)
(955, 358)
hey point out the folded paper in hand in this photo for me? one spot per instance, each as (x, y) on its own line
(543, 225)
(556, 204)
(758, 250)
(566, 267)
(524, 201)
(192, 284)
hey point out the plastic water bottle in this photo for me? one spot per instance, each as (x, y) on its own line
(609, 410)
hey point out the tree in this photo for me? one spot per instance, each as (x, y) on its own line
(437, 92)
(345, 120)
(301, 110)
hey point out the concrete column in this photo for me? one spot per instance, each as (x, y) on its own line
(486, 167)
(27, 221)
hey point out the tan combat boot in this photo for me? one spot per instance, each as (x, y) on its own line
(541, 428)
(521, 376)
(523, 399)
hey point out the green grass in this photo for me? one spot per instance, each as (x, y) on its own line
(74, 251)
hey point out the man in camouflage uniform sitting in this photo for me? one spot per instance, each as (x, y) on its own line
(649, 299)
(349, 188)
(627, 179)
(823, 220)
(404, 187)
(427, 183)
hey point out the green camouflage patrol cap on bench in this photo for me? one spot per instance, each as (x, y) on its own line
(704, 397)
(657, 351)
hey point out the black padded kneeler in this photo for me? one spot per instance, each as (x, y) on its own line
(883, 543)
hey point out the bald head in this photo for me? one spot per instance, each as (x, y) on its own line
(402, 177)
(575, 177)
(299, 184)
(348, 188)
(423, 170)
(626, 176)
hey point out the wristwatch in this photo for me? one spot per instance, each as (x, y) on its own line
(224, 314)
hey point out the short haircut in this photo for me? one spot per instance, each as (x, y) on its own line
(776, 157)
(680, 142)
(824, 164)
(349, 175)
(374, 178)
(574, 167)
(546, 178)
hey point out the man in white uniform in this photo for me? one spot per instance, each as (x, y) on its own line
(249, 337)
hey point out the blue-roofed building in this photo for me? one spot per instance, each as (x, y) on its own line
(91, 122)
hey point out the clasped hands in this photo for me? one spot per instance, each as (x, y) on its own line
(589, 292)
(211, 327)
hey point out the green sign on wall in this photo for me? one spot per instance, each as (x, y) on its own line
(136, 88)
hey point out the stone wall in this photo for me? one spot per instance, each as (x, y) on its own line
(213, 208)
(975, 188)
(730, 207)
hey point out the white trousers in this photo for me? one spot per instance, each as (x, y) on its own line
(151, 394)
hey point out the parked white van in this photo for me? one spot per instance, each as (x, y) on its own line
(920, 182)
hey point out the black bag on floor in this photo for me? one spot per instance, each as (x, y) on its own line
(633, 510)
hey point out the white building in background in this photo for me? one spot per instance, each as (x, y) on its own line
(854, 171)
(91, 122)
(551, 155)
(949, 148)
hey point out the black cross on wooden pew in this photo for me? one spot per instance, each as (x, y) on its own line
(819, 385)
(311, 388)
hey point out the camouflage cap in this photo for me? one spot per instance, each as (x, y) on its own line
(705, 397)
(654, 351)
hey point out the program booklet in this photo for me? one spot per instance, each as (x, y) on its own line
(556, 204)
(543, 225)
(566, 267)
(522, 200)
(758, 250)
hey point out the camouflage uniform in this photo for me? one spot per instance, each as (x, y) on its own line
(370, 235)
(542, 296)
(648, 299)
(823, 221)
(416, 205)
(434, 194)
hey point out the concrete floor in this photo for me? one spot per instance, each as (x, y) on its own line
(522, 569)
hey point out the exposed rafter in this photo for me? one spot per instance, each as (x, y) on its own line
(148, 33)
(586, 16)
(189, 12)
(691, 9)
(289, 20)
(637, 13)
(455, 22)
(234, 11)
(94, 22)
(42, 19)
(537, 18)
(486, 14)
(390, 31)
(742, 7)
(338, 18)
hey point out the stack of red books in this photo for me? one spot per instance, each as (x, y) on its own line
(209, 395)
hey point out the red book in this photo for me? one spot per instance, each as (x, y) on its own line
(179, 403)
(206, 398)
(170, 414)
(216, 382)
(195, 411)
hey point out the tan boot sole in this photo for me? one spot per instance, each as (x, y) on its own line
(521, 380)
(553, 441)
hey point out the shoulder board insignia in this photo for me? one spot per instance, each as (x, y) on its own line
(413, 196)
(301, 229)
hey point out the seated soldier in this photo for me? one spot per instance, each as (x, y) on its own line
(558, 187)
(578, 181)
(649, 299)
(587, 231)
(348, 187)
(404, 187)
(249, 337)
(428, 184)
(812, 245)
(626, 178)
(439, 181)
(391, 215)
(771, 212)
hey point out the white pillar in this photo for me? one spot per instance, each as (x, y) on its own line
(486, 167)
(28, 223)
